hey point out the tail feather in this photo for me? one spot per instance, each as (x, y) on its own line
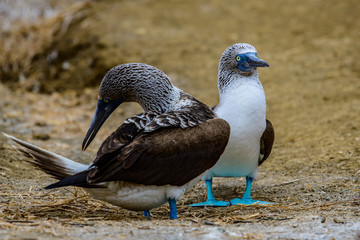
(51, 163)
(78, 180)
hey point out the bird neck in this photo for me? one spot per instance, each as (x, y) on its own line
(232, 79)
(159, 103)
(190, 106)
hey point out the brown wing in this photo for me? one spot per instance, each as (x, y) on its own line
(144, 123)
(166, 156)
(266, 142)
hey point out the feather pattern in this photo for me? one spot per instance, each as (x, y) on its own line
(57, 166)
(149, 122)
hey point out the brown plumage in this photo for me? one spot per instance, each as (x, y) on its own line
(166, 156)
(266, 142)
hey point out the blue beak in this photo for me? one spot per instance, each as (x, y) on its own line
(254, 61)
(250, 61)
(103, 111)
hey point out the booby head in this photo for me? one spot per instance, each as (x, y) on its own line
(243, 57)
(238, 61)
(132, 82)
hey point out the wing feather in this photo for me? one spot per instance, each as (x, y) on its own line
(169, 155)
(266, 142)
(147, 123)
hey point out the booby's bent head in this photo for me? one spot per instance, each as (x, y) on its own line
(132, 82)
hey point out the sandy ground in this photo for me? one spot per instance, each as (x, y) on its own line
(313, 99)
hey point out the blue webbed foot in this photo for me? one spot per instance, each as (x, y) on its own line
(147, 214)
(210, 201)
(247, 201)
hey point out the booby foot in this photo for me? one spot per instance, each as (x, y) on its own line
(211, 203)
(247, 201)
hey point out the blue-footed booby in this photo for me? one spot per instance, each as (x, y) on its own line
(242, 104)
(153, 157)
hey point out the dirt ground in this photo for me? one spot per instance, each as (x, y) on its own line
(54, 54)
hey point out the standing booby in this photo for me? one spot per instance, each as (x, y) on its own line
(153, 157)
(242, 104)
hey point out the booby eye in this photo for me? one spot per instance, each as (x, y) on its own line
(256, 55)
(105, 100)
(238, 58)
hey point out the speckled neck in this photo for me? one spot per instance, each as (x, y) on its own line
(229, 79)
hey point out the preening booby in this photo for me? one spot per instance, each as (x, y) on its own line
(152, 158)
(242, 104)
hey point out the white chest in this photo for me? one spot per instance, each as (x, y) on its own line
(243, 107)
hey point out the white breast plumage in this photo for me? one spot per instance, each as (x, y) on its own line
(243, 107)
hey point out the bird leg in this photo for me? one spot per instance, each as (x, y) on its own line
(246, 199)
(247, 193)
(210, 201)
(173, 211)
(147, 214)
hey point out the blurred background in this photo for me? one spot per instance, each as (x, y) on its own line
(55, 53)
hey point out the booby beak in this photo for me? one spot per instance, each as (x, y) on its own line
(103, 111)
(254, 61)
